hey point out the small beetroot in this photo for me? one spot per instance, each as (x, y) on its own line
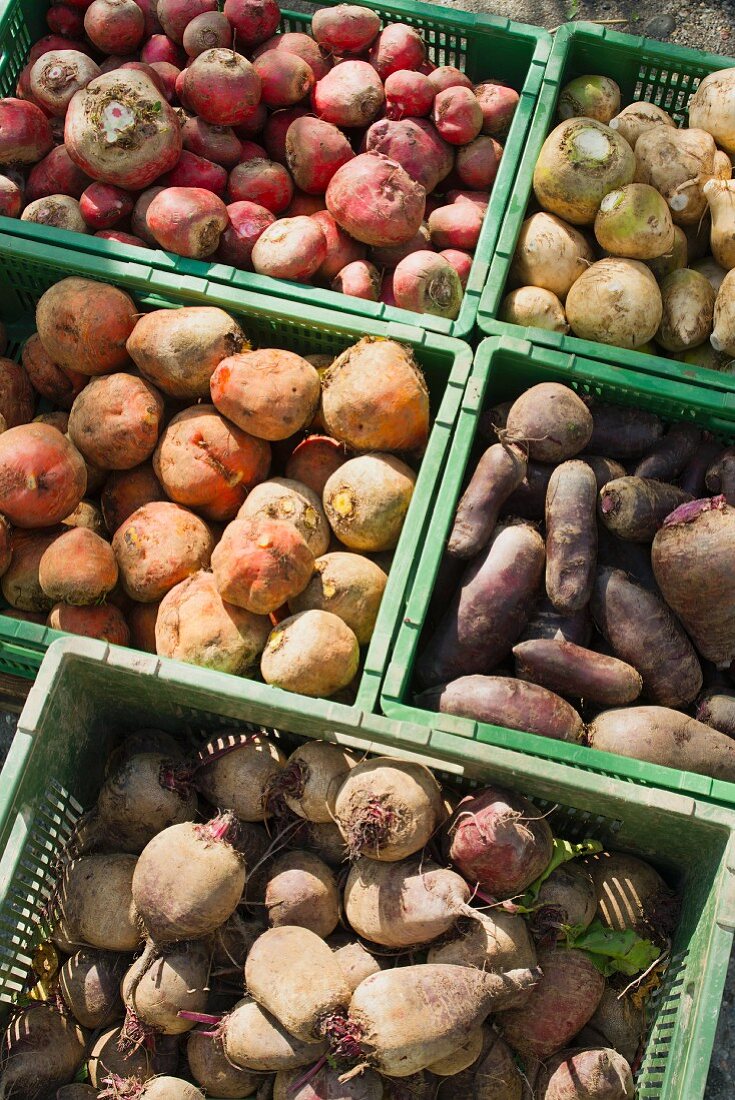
(187, 220)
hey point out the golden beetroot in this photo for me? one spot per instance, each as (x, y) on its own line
(115, 421)
(78, 568)
(127, 490)
(270, 393)
(366, 501)
(84, 325)
(314, 653)
(20, 584)
(260, 563)
(158, 546)
(105, 622)
(42, 476)
(17, 400)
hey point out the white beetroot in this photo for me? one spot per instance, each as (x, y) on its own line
(211, 1070)
(41, 1049)
(238, 776)
(302, 891)
(89, 983)
(96, 904)
(160, 985)
(310, 779)
(141, 798)
(602, 1073)
(494, 940)
(327, 1082)
(253, 1039)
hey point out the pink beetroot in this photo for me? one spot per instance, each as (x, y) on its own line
(54, 42)
(302, 46)
(121, 238)
(210, 30)
(480, 199)
(254, 21)
(457, 115)
(477, 163)
(160, 47)
(56, 174)
(426, 283)
(301, 203)
(194, 171)
(175, 15)
(103, 205)
(341, 248)
(351, 94)
(57, 75)
(292, 248)
(397, 47)
(115, 26)
(393, 254)
(167, 75)
(25, 133)
(374, 200)
(250, 150)
(460, 261)
(217, 143)
(221, 86)
(416, 145)
(263, 182)
(346, 29)
(65, 21)
(456, 226)
(498, 105)
(408, 94)
(446, 76)
(11, 198)
(252, 125)
(247, 220)
(359, 279)
(284, 78)
(314, 151)
(187, 220)
(276, 129)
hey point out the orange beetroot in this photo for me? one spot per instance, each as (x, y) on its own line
(269, 393)
(78, 568)
(6, 546)
(351, 94)
(314, 151)
(291, 248)
(397, 47)
(285, 78)
(314, 461)
(254, 20)
(115, 421)
(221, 86)
(142, 625)
(447, 76)
(408, 94)
(210, 30)
(456, 226)
(187, 220)
(374, 200)
(103, 205)
(17, 400)
(360, 279)
(42, 476)
(259, 564)
(346, 29)
(25, 132)
(20, 584)
(106, 622)
(498, 104)
(114, 26)
(416, 145)
(195, 171)
(477, 163)
(216, 143)
(276, 128)
(175, 15)
(457, 115)
(48, 378)
(207, 463)
(157, 547)
(342, 249)
(303, 46)
(127, 490)
(247, 220)
(263, 182)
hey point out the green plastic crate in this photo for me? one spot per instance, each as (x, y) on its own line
(88, 694)
(485, 46)
(657, 72)
(27, 269)
(504, 367)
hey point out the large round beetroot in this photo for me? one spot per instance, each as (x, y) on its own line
(222, 87)
(42, 476)
(25, 132)
(374, 200)
(120, 129)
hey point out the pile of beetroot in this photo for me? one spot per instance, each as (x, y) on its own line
(346, 159)
(344, 930)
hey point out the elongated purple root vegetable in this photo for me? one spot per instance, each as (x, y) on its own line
(211, 1070)
(635, 507)
(571, 536)
(41, 1049)
(400, 1024)
(643, 632)
(326, 1083)
(388, 809)
(494, 1076)
(253, 1039)
(663, 736)
(551, 421)
(547, 622)
(693, 558)
(721, 475)
(189, 879)
(632, 895)
(160, 984)
(604, 469)
(694, 474)
(500, 470)
(503, 701)
(558, 1007)
(402, 904)
(500, 840)
(302, 890)
(571, 670)
(668, 456)
(716, 708)
(623, 433)
(239, 779)
(292, 974)
(577, 1074)
(135, 801)
(309, 782)
(89, 983)
(634, 558)
(490, 609)
(97, 904)
(529, 499)
(494, 940)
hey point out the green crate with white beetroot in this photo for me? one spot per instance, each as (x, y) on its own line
(89, 697)
(598, 265)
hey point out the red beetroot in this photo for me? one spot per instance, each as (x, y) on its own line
(187, 220)
(175, 15)
(427, 283)
(25, 132)
(253, 20)
(374, 200)
(54, 42)
(301, 203)
(138, 218)
(417, 147)
(292, 248)
(341, 248)
(314, 461)
(408, 95)
(498, 105)
(460, 261)
(457, 115)
(11, 198)
(217, 143)
(387, 297)
(314, 151)
(263, 182)
(254, 123)
(121, 238)
(446, 76)
(210, 30)
(23, 87)
(301, 45)
(346, 29)
(66, 21)
(389, 257)
(116, 61)
(456, 226)
(160, 47)
(276, 130)
(147, 70)
(250, 150)
(56, 174)
(359, 279)
(351, 94)
(284, 78)
(194, 171)
(479, 198)
(57, 75)
(150, 18)
(247, 220)
(104, 205)
(115, 26)
(167, 76)
(477, 163)
(221, 86)
(397, 47)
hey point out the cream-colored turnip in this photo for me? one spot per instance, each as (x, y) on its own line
(580, 161)
(706, 356)
(673, 260)
(615, 302)
(595, 97)
(549, 254)
(720, 195)
(636, 118)
(532, 306)
(723, 333)
(723, 165)
(688, 304)
(711, 270)
(712, 107)
(634, 222)
(677, 163)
